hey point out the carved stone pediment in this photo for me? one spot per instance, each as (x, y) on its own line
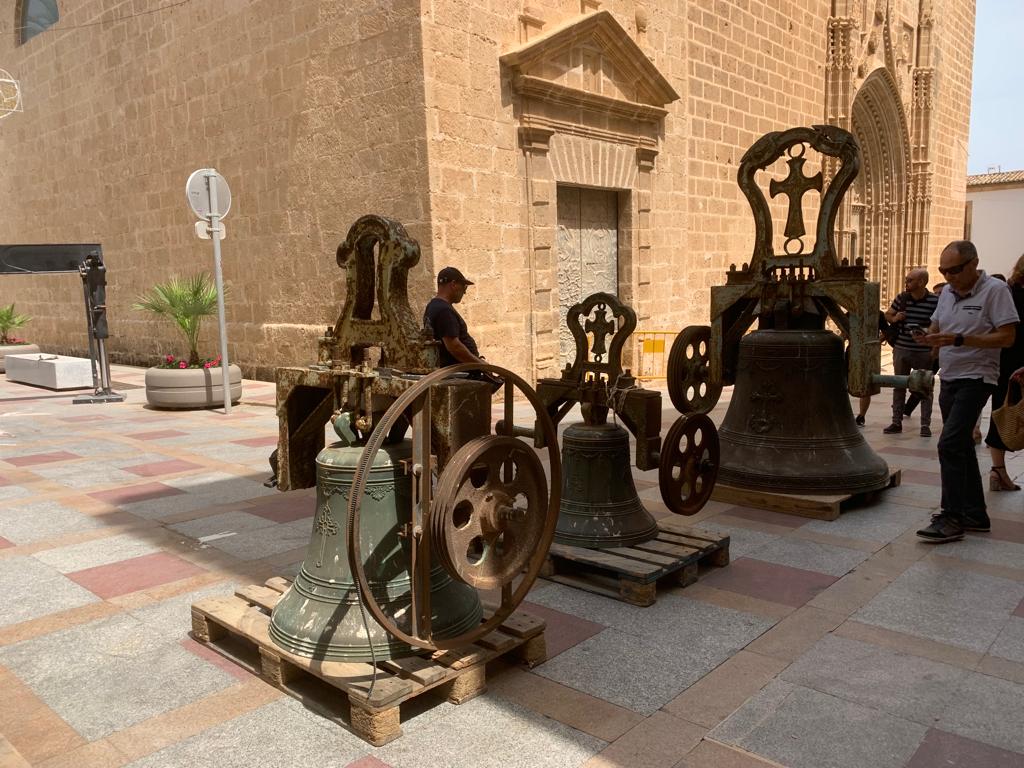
(591, 63)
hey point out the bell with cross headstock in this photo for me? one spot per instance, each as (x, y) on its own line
(600, 507)
(789, 426)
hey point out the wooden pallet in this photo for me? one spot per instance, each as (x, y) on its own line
(237, 627)
(632, 573)
(819, 507)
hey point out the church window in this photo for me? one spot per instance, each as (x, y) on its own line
(34, 16)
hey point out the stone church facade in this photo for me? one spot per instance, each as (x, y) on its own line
(547, 149)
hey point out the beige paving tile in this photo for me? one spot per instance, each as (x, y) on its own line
(96, 754)
(796, 633)
(32, 728)
(171, 727)
(44, 625)
(723, 690)
(838, 541)
(660, 741)
(712, 754)
(1000, 571)
(918, 646)
(852, 591)
(1002, 668)
(725, 598)
(586, 713)
(10, 757)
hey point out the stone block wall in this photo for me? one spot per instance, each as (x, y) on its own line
(954, 55)
(318, 111)
(312, 110)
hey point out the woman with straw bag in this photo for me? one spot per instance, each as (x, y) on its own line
(1004, 434)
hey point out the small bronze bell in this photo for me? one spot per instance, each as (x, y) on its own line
(600, 507)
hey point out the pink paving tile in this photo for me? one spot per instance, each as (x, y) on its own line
(158, 468)
(948, 750)
(41, 458)
(769, 581)
(764, 516)
(135, 493)
(207, 654)
(4, 481)
(83, 419)
(157, 434)
(1019, 610)
(563, 631)
(257, 442)
(919, 453)
(4, 543)
(921, 477)
(281, 509)
(368, 762)
(1007, 530)
(134, 574)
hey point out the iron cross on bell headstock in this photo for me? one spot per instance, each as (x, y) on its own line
(601, 359)
(839, 151)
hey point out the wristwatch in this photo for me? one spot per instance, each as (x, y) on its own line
(958, 340)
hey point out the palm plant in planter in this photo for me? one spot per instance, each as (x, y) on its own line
(194, 381)
(10, 320)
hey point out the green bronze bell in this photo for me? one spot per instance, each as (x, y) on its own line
(319, 615)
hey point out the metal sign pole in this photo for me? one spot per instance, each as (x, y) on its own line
(215, 225)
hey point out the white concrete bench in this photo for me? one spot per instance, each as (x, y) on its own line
(50, 371)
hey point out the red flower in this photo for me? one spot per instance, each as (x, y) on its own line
(183, 364)
(206, 365)
(169, 358)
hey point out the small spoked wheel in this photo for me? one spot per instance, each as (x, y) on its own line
(689, 384)
(489, 511)
(689, 463)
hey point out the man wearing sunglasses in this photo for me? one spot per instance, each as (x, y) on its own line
(974, 319)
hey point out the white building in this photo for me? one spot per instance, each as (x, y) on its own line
(994, 219)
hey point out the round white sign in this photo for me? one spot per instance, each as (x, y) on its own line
(198, 194)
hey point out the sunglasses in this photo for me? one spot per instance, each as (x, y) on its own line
(957, 269)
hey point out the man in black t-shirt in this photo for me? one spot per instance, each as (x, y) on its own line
(447, 325)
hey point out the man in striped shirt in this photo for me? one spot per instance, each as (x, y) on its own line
(911, 309)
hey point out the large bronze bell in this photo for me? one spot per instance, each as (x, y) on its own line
(789, 427)
(319, 615)
(600, 507)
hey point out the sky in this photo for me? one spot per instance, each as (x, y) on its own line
(997, 100)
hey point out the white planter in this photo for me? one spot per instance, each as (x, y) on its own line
(191, 387)
(16, 349)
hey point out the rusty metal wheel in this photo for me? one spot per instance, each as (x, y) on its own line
(530, 534)
(688, 466)
(489, 511)
(688, 372)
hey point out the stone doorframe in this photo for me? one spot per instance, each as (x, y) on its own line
(590, 108)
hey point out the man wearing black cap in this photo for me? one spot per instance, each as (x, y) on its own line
(447, 325)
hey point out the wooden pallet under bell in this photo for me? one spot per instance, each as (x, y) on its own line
(632, 574)
(237, 627)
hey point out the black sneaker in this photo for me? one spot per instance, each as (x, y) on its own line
(893, 429)
(926, 431)
(859, 419)
(942, 529)
(979, 524)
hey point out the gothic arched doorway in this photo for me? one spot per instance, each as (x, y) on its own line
(878, 200)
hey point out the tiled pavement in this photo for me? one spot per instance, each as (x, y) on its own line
(844, 643)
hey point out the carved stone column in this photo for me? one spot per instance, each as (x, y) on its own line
(542, 198)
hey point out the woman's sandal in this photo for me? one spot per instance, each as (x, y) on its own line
(999, 480)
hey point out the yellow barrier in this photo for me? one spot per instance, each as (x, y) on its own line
(651, 350)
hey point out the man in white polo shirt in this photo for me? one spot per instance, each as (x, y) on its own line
(975, 318)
